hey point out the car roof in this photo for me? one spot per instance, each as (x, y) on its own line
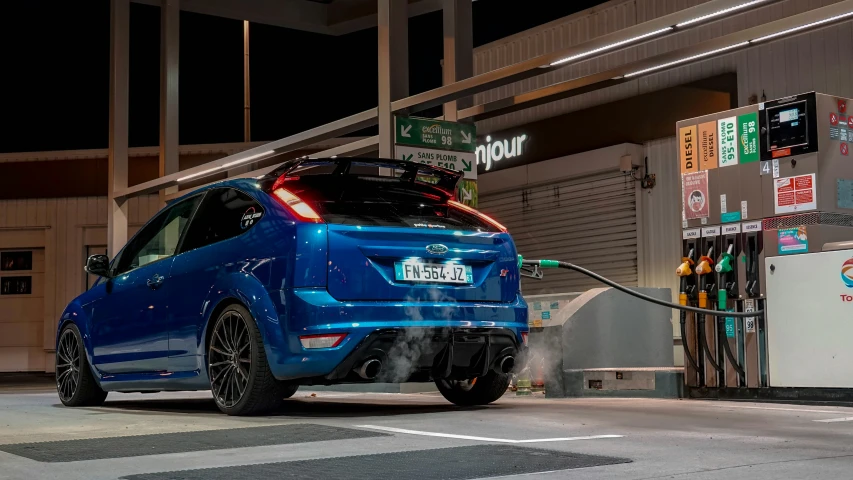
(248, 184)
(251, 184)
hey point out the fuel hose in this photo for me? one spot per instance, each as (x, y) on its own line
(641, 296)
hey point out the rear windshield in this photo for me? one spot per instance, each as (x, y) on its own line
(372, 200)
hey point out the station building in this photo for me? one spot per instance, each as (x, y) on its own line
(589, 174)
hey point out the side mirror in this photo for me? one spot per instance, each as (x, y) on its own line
(98, 265)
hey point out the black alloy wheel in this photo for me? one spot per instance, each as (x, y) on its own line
(240, 377)
(230, 359)
(75, 383)
(67, 366)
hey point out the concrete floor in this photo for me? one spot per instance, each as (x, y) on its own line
(663, 438)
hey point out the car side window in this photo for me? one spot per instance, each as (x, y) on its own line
(160, 238)
(225, 213)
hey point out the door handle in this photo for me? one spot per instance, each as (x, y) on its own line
(155, 281)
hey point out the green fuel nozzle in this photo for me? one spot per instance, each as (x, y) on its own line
(540, 263)
(726, 262)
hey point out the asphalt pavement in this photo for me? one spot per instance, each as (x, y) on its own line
(401, 436)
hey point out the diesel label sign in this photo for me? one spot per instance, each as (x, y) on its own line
(687, 144)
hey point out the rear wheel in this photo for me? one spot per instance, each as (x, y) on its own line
(240, 376)
(75, 383)
(478, 391)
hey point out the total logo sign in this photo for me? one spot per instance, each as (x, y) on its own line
(847, 278)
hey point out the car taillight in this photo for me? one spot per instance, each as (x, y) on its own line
(296, 205)
(322, 341)
(524, 338)
(483, 216)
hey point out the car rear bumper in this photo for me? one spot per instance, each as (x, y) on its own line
(413, 340)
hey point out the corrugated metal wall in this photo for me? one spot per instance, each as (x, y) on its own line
(63, 227)
(813, 61)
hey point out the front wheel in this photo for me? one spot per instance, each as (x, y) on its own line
(240, 376)
(478, 391)
(75, 383)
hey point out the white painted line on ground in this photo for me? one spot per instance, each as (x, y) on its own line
(833, 420)
(483, 439)
(780, 409)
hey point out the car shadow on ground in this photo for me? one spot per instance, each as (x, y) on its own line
(315, 407)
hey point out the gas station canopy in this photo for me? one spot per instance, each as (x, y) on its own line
(330, 17)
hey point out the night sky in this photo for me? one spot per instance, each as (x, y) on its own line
(55, 75)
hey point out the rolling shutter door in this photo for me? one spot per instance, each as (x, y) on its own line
(590, 221)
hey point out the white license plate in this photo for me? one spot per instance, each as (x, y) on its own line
(433, 272)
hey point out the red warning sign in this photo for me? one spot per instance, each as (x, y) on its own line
(795, 194)
(844, 149)
(785, 185)
(842, 105)
(850, 121)
(802, 183)
(833, 119)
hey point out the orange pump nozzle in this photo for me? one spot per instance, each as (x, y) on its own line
(705, 262)
(684, 269)
(704, 266)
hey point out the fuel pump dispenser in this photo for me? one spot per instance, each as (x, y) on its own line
(730, 329)
(707, 324)
(688, 295)
(777, 178)
(751, 299)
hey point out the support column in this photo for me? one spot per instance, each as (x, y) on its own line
(247, 104)
(169, 60)
(458, 61)
(117, 170)
(393, 67)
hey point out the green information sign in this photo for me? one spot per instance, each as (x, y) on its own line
(747, 126)
(467, 192)
(730, 327)
(424, 132)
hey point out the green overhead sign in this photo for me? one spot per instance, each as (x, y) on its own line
(438, 134)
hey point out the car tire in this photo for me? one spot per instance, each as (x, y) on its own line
(485, 389)
(75, 383)
(237, 364)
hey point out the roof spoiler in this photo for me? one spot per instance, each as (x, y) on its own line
(447, 179)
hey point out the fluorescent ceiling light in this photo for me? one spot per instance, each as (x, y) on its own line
(801, 27)
(612, 46)
(198, 174)
(721, 12)
(248, 159)
(684, 60)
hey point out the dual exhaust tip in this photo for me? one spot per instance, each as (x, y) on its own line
(370, 369)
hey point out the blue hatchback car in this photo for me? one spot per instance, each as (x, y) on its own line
(320, 272)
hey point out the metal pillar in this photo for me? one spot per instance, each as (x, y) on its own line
(393, 67)
(458, 51)
(169, 60)
(117, 170)
(247, 105)
(247, 108)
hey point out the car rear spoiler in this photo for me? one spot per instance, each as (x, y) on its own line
(445, 179)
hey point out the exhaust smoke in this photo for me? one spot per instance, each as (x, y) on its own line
(404, 356)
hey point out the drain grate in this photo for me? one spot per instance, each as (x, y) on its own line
(136, 446)
(458, 463)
